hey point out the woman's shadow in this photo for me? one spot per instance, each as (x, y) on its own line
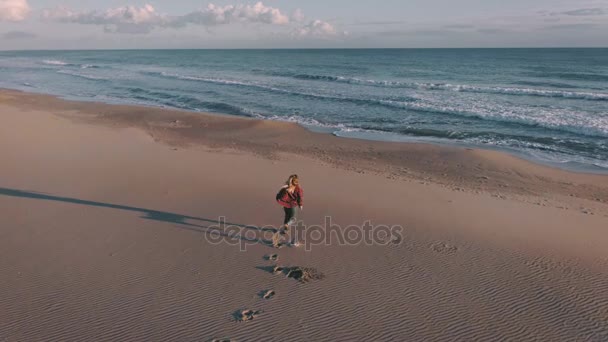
(211, 227)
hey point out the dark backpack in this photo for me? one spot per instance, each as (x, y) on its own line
(281, 193)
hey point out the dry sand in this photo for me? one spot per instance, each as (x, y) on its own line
(107, 212)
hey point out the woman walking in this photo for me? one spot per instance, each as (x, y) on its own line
(290, 197)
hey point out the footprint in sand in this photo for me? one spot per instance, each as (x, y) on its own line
(304, 274)
(268, 294)
(272, 257)
(246, 315)
(444, 248)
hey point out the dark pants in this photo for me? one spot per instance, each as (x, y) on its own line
(290, 214)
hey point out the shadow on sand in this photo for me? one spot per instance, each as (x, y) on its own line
(212, 227)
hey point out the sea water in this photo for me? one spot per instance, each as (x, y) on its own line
(549, 105)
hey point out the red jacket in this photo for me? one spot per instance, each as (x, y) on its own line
(288, 200)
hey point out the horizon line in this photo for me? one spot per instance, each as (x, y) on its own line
(339, 48)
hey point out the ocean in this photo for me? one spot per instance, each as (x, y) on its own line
(547, 105)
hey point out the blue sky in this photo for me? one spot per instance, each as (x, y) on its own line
(87, 24)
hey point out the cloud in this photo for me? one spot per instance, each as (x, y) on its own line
(127, 19)
(15, 35)
(130, 19)
(400, 33)
(378, 23)
(580, 26)
(317, 29)
(215, 15)
(14, 10)
(492, 30)
(581, 12)
(459, 26)
(298, 15)
(586, 12)
(138, 20)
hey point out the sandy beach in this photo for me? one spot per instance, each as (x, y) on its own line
(111, 232)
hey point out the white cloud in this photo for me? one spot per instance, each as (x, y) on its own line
(133, 19)
(13, 10)
(317, 29)
(130, 19)
(127, 19)
(259, 13)
(217, 15)
(297, 15)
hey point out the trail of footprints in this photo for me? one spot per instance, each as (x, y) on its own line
(302, 274)
(305, 274)
(268, 294)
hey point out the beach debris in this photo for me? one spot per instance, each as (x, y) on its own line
(268, 294)
(247, 315)
(272, 257)
(222, 340)
(277, 269)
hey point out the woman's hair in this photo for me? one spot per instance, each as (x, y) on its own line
(292, 180)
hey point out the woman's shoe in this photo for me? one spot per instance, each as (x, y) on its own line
(284, 230)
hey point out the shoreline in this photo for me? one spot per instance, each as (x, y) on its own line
(461, 168)
(112, 214)
(576, 167)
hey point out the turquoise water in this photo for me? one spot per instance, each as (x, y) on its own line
(550, 105)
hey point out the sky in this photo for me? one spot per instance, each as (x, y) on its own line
(135, 24)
